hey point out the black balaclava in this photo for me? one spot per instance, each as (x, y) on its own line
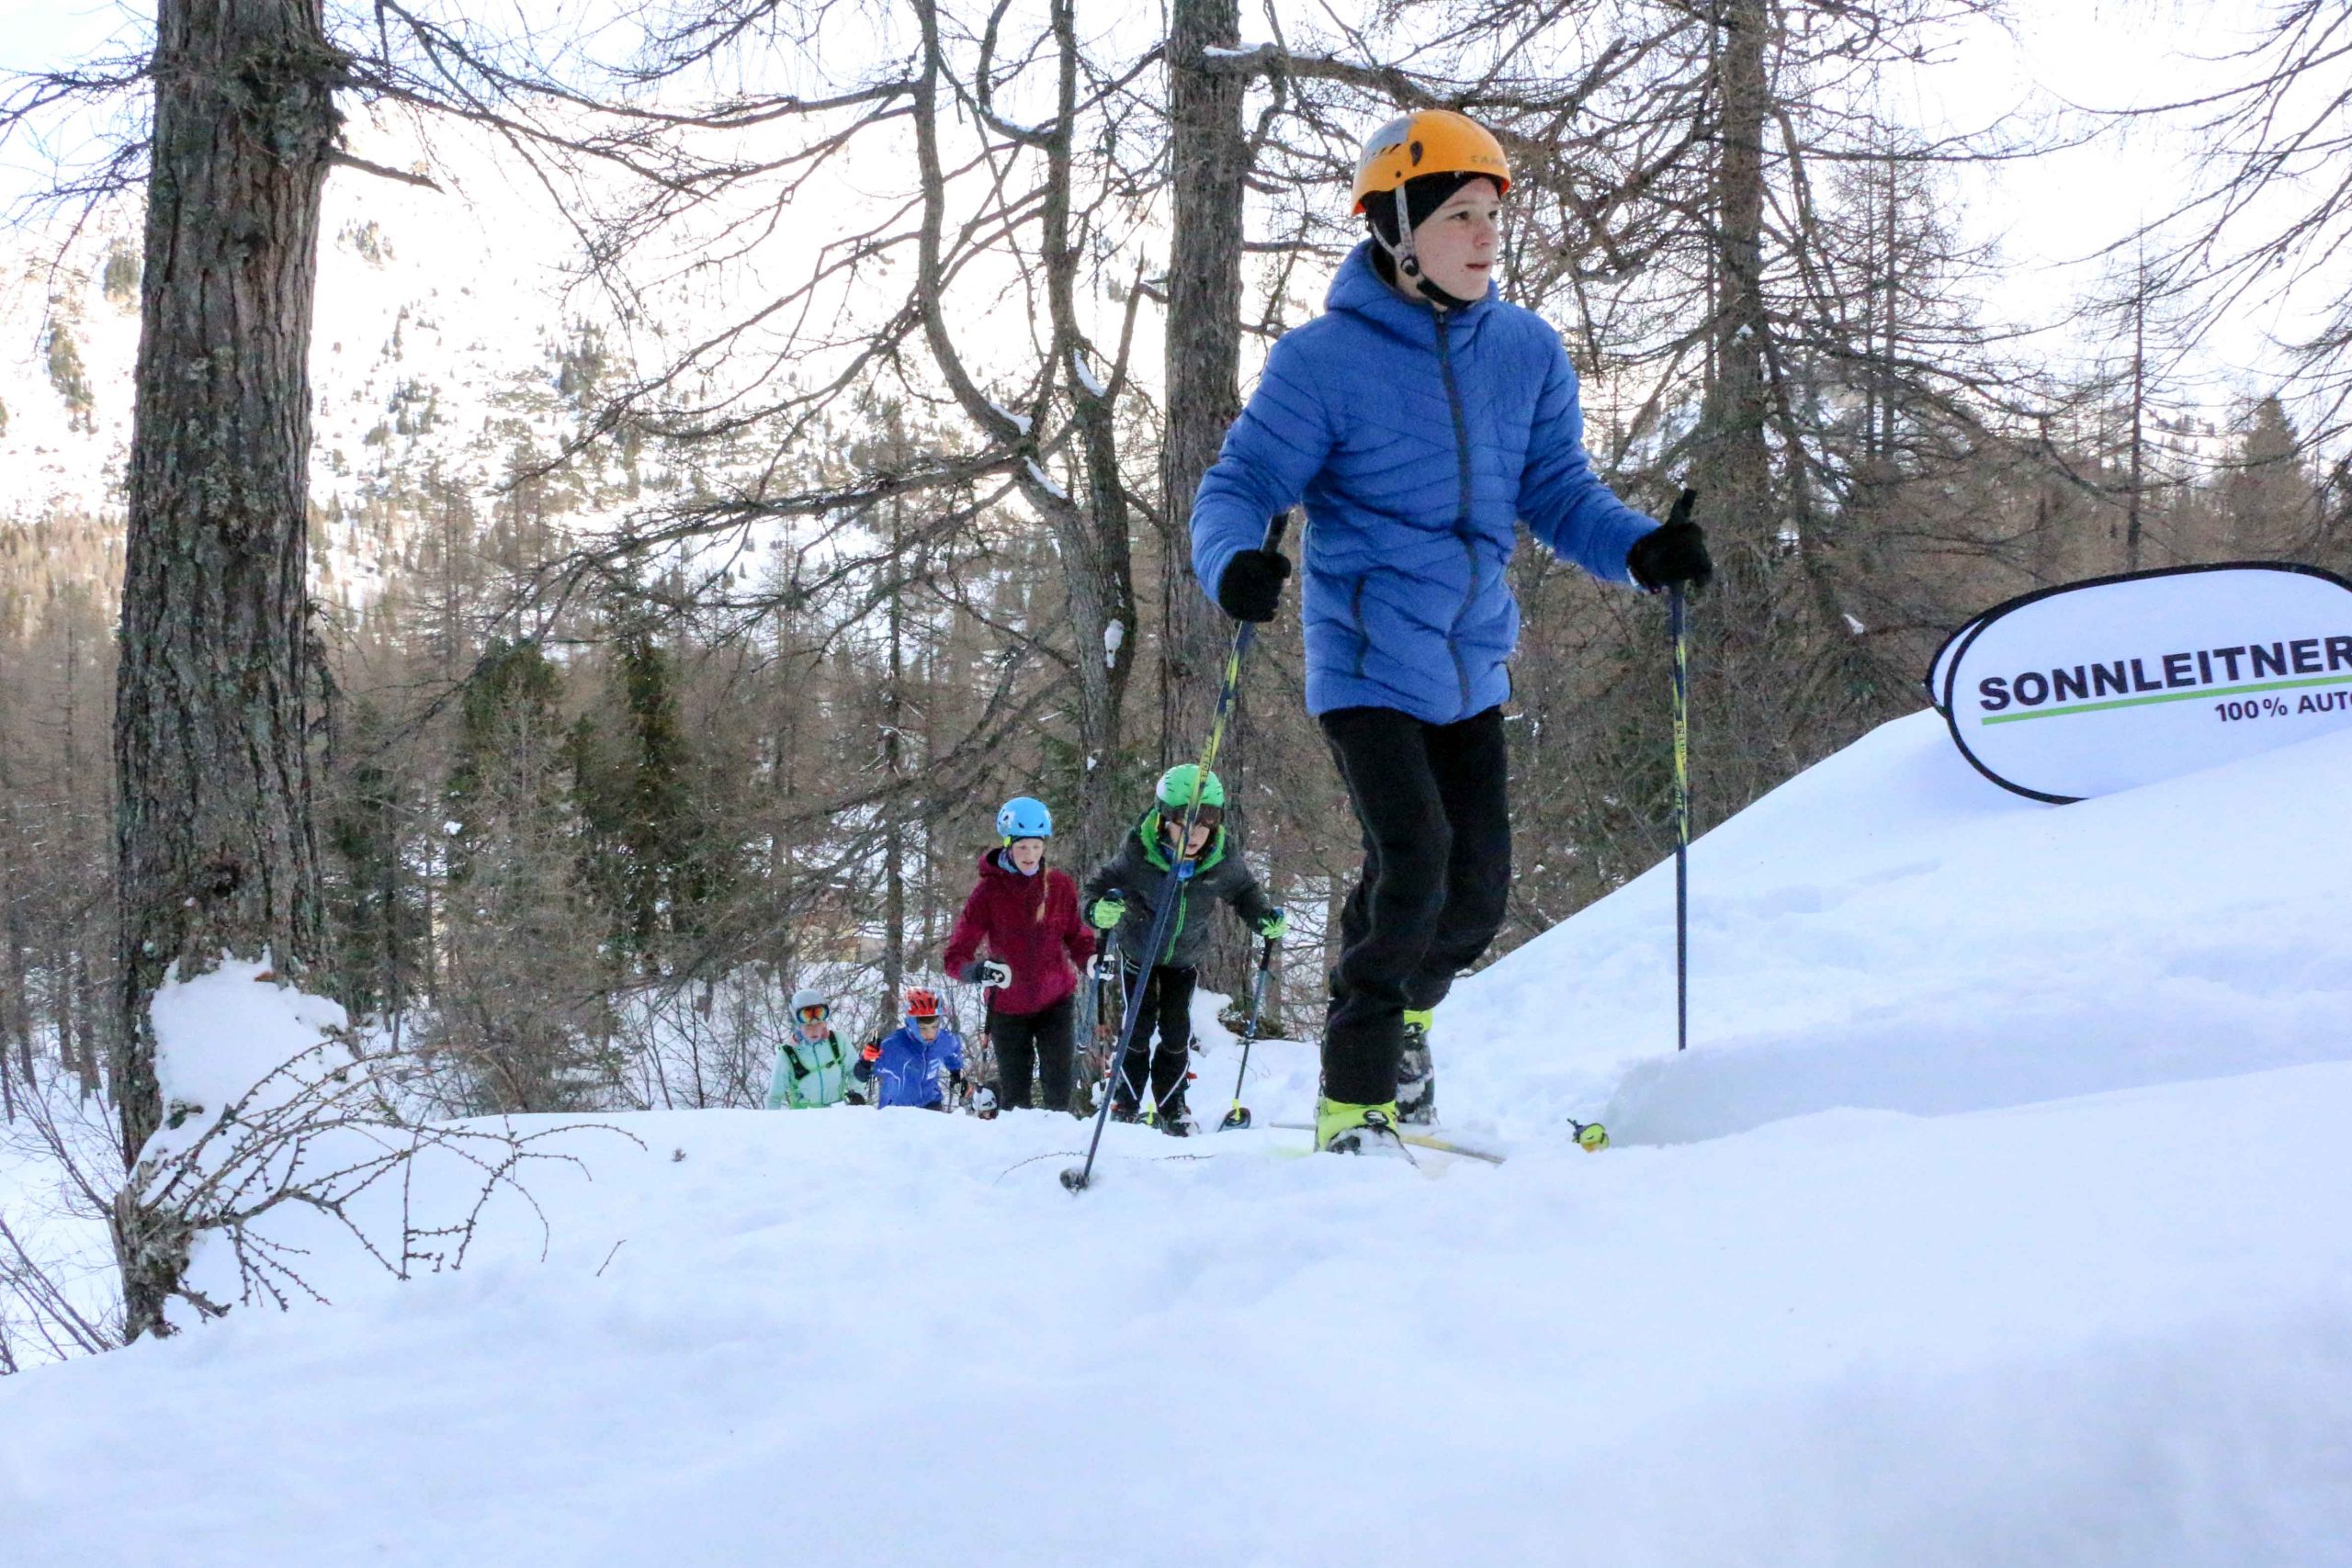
(1424, 195)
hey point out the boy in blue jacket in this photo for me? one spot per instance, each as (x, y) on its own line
(1420, 420)
(904, 1065)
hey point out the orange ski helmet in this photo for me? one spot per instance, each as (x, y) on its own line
(1428, 142)
(922, 1003)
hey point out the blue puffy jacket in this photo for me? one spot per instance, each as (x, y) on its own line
(1418, 440)
(906, 1072)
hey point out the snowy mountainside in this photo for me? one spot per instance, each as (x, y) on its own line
(1982, 1224)
(446, 349)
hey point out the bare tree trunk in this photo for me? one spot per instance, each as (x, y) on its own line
(2132, 520)
(1894, 273)
(1093, 538)
(90, 1025)
(20, 1011)
(894, 838)
(16, 1007)
(214, 845)
(1736, 463)
(1210, 157)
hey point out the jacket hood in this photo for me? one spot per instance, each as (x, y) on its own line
(988, 867)
(1358, 289)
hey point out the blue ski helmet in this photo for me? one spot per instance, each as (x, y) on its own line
(1024, 816)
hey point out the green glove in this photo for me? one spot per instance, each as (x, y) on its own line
(1276, 925)
(1107, 912)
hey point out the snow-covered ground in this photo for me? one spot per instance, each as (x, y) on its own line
(1994, 1216)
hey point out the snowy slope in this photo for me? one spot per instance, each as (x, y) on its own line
(1873, 1278)
(1889, 929)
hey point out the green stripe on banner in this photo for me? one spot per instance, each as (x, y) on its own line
(2167, 697)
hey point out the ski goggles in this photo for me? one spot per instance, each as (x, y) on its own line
(817, 1014)
(1202, 817)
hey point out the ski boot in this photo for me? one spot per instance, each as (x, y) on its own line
(1344, 1129)
(1123, 1112)
(1175, 1120)
(1416, 1074)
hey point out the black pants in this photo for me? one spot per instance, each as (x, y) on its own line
(1044, 1038)
(1167, 1015)
(1433, 802)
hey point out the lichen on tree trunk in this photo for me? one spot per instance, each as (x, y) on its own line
(214, 845)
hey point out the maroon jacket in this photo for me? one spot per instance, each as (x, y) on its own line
(1030, 926)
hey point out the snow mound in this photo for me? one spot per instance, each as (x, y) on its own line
(1889, 929)
(1868, 1281)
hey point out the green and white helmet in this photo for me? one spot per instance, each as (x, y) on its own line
(1176, 787)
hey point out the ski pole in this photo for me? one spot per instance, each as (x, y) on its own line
(1082, 1039)
(1100, 983)
(1678, 621)
(1179, 867)
(1237, 1118)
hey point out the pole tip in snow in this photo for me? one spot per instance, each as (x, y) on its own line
(1591, 1137)
(1074, 1180)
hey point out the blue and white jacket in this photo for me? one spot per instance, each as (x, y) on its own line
(1418, 440)
(906, 1072)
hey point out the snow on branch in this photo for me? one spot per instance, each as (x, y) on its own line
(1044, 481)
(278, 1137)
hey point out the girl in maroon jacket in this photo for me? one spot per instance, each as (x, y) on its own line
(1027, 918)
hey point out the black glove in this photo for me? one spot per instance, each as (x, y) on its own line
(1251, 587)
(1673, 553)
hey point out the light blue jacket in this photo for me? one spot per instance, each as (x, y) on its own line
(1418, 440)
(906, 1072)
(809, 1074)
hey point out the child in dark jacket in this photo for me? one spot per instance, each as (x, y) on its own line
(904, 1066)
(1124, 895)
(1025, 914)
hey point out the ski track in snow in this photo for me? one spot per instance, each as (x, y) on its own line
(1994, 1218)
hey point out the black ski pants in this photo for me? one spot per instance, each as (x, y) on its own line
(1042, 1038)
(1433, 802)
(1167, 1015)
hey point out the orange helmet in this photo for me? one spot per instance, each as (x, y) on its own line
(1428, 142)
(922, 1003)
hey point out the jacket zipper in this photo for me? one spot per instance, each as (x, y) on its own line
(1152, 858)
(1462, 517)
(1364, 638)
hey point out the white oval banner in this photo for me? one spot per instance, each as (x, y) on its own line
(2106, 685)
